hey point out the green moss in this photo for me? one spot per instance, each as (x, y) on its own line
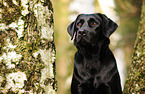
(10, 13)
(26, 46)
(2, 41)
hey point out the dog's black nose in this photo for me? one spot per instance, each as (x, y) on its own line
(82, 32)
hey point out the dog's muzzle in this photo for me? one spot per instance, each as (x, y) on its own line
(82, 36)
(82, 33)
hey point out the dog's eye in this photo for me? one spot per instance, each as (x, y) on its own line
(94, 23)
(79, 24)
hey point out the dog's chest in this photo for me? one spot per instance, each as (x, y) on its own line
(88, 67)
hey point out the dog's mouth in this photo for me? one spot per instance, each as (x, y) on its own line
(80, 38)
(82, 41)
(85, 41)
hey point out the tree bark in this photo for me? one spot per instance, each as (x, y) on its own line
(27, 50)
(135, 83)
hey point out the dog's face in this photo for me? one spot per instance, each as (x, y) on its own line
(87, 28)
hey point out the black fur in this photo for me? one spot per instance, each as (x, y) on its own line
(95, 70)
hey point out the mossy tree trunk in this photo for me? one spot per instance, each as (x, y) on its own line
(27, 50)
(135, 83)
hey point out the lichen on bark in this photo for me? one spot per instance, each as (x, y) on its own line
(135, 83)
(27, 50)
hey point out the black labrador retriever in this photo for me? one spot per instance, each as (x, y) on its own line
(95, 69)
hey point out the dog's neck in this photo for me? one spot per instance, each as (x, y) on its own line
(94, 50)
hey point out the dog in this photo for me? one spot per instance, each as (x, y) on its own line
(95, 70)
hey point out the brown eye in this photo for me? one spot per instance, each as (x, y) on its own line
(79, 24)
(94, 23)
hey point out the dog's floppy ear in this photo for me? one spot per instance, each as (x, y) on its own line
(70, 29)
(108, 26)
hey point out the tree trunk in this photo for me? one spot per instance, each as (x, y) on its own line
(135, 83)
(63, 68)
(27, 50)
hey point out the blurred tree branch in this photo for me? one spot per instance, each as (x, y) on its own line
(129, 13)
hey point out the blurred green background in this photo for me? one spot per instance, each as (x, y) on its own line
(126, 13)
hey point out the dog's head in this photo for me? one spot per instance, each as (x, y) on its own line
(87, 28)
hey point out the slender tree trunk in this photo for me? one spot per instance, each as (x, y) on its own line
(61, 39)
(27, 50)
(97, 7)
(135, 83)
